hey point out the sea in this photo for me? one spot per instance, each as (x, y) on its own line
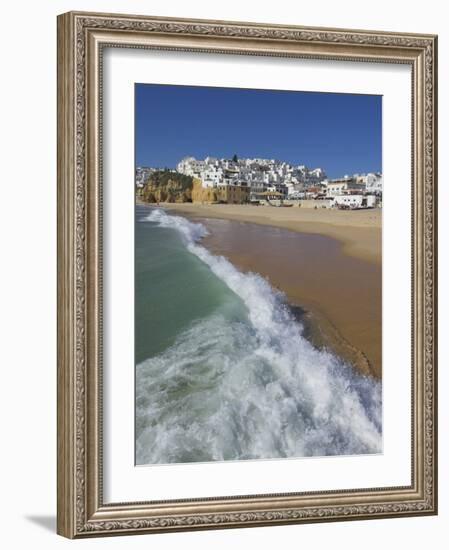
(224, 370)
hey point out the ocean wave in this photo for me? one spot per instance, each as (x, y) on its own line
(231, 389)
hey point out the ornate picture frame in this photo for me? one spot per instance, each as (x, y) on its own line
(82, 38)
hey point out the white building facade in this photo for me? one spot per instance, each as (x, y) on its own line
(374, 182)
(258, 173)
(355, 201)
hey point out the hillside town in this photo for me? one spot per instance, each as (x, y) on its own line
(269, 181)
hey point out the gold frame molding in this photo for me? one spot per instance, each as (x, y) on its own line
(81, 39)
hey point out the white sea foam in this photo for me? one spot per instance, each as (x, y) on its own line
(254, 388)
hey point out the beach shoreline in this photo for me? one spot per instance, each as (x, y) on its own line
(358, 231)
(341, 307)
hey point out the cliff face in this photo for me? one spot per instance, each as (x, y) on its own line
(203, 194)
(229, 194)
(167, 187)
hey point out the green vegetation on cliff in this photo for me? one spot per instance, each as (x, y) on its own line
(167, 186)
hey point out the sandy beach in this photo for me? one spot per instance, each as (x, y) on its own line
(359, 231)
(327, 262)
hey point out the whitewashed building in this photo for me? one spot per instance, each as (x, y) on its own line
(343, 186)
(190, 166)
(142, 175)
(374, 182)
(355, 201)
(258, 173)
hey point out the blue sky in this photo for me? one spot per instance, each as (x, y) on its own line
(341, 133)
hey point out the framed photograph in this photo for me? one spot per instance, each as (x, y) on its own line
(246, 274)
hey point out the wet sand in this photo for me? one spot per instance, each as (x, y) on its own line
(337, 296)
(358, 231)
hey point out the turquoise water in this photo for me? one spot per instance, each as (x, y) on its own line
(223, 370)
(173, 288)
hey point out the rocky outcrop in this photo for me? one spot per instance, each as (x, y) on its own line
(229, 194)
(203, 194)
(166, 186)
